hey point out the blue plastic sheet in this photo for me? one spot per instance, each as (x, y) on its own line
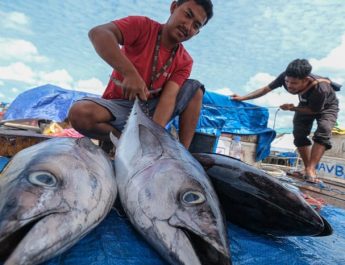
(219, 114)
(44, 102)
(115, 242)
(235, 117)
(292, 157)
(3, 162)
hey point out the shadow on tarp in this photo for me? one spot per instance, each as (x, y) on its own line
(115, 242)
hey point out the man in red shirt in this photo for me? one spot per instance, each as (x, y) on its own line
(151, 64)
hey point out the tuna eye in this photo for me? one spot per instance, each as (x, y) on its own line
(193, 197)
(42, 178)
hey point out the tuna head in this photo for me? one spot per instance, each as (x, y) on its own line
(168, 196)
(52, 194)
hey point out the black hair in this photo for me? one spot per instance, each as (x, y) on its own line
(299, 68)
(206, 5)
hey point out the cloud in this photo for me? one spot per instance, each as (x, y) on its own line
(15, 21)
(58, 77)
(20, 72)
(224, 91)
(93, 85)
(14, 90)
(16, 49)
(257, 81)
(333, 64)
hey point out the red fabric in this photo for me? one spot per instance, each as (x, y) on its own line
(139, 36)
(316, 203)
(68, 133)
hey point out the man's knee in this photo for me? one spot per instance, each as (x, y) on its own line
(189, 97)
(80, 116)
(301, 139)
(197, 98)
(323, 140)
(323, 133)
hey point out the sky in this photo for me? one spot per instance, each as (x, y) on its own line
(243, 47)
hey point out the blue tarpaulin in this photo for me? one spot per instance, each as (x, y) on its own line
(115, 242)
(219, 114)
(43, 102)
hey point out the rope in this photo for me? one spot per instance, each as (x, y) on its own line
(233, 107)
(275, 118)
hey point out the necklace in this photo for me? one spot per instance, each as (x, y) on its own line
(156, 74)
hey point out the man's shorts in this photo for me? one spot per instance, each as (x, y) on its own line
(120, 108)
(303, 125)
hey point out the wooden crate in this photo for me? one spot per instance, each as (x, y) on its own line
(12, 141)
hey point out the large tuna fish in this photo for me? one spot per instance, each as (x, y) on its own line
(168, 196)
(51, 195)
(256, 201)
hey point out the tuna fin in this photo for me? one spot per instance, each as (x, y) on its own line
(84, 142)
(150, 144)
(114, 139)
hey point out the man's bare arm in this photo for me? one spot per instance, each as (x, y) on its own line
(106, 39)
(291, 107)
(255, 94)
(166, 104)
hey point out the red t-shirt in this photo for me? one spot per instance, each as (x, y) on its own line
(139, 37)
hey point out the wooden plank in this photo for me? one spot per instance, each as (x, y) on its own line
(330, 197)
(12, 141)
(332, 192)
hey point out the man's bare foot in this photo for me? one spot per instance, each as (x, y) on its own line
(311, 179)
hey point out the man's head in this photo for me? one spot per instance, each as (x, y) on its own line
(205, 4)
(297, 73)
(187, 18)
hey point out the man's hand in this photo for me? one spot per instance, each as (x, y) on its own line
(133, 85)
(290, 107)
(236, 97)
